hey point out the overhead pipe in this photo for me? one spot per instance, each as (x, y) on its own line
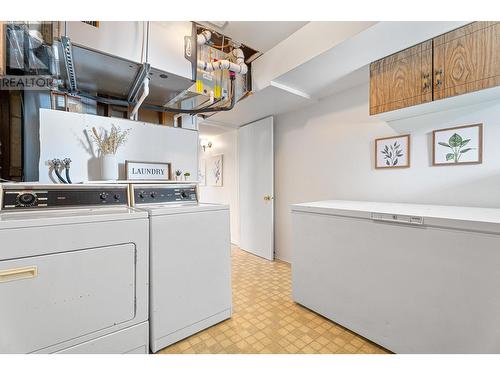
(119, 102)
(100, 99)
(206, 109)
(203, 37)
(144, 95)
(238, 66)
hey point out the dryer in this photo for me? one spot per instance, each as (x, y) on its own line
(74, 264)
(190, 261)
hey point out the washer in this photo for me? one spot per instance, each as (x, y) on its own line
(74, 264)
(190, 264)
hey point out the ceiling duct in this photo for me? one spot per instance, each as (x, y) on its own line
(185, 69)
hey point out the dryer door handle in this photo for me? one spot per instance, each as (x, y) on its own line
(14, 274)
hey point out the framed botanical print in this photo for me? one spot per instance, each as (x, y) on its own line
(392, 152)
(214, 170)
(458, 146)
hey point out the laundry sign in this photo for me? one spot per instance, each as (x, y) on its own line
(140, 170)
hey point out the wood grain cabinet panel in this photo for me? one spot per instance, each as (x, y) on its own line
(467, 59)
(401, 80)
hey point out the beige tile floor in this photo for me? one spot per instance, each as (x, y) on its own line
(266, 320)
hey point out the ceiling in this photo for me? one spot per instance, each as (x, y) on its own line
(271, 100)
(209, 130)
(259, 35)
(340, 67)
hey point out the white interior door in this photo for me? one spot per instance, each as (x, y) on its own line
(256, 187)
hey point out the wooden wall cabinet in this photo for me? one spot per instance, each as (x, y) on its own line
(461, 61)
(401, 80)
(467, 59)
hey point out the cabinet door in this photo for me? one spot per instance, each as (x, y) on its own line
(401, 80)
(467, 59)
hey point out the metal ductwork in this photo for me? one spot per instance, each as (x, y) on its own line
(102, 72)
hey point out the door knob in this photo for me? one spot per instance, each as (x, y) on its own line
(267, 197)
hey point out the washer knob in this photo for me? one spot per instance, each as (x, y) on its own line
(117, 196)
(26, 199)
(103, 196)
(142, 195)
(153, 194)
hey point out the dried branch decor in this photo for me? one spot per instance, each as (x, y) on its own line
(109, 142)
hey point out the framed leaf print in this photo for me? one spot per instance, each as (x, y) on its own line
(458, 146)
(392, 152)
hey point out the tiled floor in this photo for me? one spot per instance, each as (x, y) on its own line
(266, 320)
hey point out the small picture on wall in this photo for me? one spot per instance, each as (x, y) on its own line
(214, 171)
(459, 145)
(201, 173)
(392, 152)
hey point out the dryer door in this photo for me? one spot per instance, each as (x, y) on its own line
(54, 298)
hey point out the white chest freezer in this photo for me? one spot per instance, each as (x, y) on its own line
(412, 278)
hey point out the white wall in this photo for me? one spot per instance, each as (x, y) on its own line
(226, 144)
(65, 134)
(325, 151)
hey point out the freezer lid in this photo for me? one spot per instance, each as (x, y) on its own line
(465, 218)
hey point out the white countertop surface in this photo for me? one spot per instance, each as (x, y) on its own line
(345, 207)
(156, 209)
(40, 217)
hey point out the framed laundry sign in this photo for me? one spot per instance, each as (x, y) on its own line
(146, 170)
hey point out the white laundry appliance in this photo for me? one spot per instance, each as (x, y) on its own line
(412, 278)
(190, 257)
(74, 262)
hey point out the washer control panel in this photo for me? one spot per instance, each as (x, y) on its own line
(164, 193)
(20, 197)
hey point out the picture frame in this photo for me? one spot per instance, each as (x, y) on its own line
(148, 170)
(460, 145)
(214, 170)
(392, 152)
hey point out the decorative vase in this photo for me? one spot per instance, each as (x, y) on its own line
(109, 167)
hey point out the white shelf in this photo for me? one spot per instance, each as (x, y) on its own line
(454, 102)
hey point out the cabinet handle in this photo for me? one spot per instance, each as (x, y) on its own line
(267, 197)
(18, 274)
(425, 81)
(439, 78)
